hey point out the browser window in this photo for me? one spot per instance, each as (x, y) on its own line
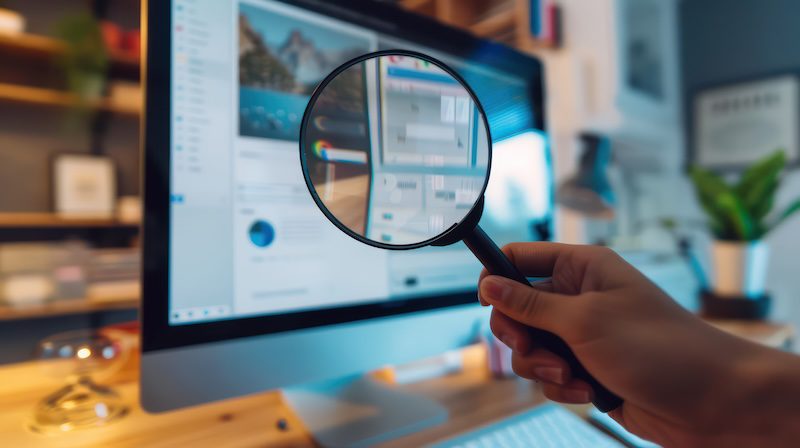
(246, 237)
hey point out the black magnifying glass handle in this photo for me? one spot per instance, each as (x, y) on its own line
(496, 262)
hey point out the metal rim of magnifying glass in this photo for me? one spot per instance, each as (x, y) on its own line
(309, 184)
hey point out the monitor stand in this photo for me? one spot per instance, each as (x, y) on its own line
(360, 411)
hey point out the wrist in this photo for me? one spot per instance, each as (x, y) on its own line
(768, 402)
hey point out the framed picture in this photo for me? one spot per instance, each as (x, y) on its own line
(647, 48)
(84, 185)
(736, 125)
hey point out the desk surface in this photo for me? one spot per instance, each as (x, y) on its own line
(472, 397)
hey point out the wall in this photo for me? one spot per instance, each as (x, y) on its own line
(730, 40)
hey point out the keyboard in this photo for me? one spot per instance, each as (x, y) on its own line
(546, 426)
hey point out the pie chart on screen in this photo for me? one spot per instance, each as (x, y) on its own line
(261, 233)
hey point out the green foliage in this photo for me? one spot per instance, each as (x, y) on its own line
(85, 60)
(743, 211)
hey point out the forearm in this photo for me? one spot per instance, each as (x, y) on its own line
(769, 408)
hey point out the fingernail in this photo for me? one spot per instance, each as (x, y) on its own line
(576, 395)
(494, 288)
(551, 374)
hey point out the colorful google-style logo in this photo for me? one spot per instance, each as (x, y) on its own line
(319, 147)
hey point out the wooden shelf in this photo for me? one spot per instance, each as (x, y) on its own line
(52, 220)
(33, 45)
(63, 307)
(501, 22)
(54, 98)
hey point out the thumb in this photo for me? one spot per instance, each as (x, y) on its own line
(525, 304)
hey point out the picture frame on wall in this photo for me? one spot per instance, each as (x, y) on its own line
(736, 125)
(648, 61)
(84, 186)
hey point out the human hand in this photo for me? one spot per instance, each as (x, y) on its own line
(681, 378)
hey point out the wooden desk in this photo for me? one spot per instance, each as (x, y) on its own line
(472, 397)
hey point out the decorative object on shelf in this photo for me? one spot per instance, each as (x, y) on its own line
(33, 273)
(113, 36)
(85, 59)
(739, 216)
(78, 356)
(26, 273)
(113, 274)
(589, 191)
(11, 22)
(129, 210)
(132, 43)
(126, 43)
(545, 21)
(84, 186)
(125, 95)
(738, 124)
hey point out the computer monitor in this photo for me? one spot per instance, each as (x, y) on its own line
(246, 286)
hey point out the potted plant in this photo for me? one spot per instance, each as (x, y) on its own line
(11, 22)
(740, 214)
(85, 59)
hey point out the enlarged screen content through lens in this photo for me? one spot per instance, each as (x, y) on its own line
(246, 237)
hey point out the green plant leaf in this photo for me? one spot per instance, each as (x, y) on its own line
(767, 166)
(736, 217)
(709, 188)
(760, 209)
(759, 184)
(759, 200)
(787, 213)
(85, 60)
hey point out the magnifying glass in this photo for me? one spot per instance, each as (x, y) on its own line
(396, 152)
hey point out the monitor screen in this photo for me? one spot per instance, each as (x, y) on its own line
(245, 237)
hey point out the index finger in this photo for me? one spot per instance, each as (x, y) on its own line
(537, 259)
(533, 259)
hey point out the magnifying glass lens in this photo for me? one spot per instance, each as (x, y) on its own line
(395, 150)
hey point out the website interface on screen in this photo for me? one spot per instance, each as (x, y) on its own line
(433, 154)
(246, 238)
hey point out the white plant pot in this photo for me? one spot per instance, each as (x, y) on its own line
(11, 22)
(739, 268)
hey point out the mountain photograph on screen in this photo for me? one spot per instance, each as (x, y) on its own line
(281, 59)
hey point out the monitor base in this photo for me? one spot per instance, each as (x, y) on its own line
(359, 411)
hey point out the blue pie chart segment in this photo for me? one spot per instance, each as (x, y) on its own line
(262, 234)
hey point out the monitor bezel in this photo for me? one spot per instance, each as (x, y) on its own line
(157, 333)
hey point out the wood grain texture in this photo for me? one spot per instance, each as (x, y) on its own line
(472, 397)
(54, 220)
(55, 98)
